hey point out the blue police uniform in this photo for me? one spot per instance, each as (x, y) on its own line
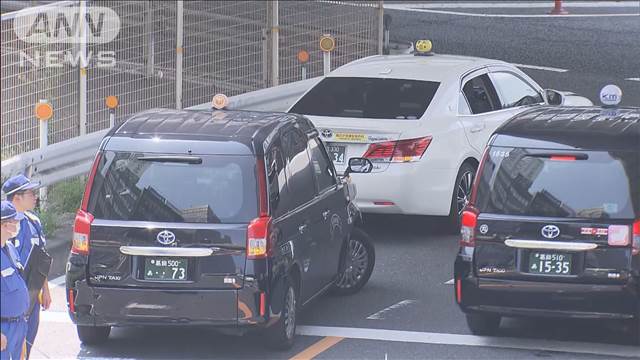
(14, 297)
(30, 235)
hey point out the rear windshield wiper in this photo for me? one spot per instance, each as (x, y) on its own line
(173, 158)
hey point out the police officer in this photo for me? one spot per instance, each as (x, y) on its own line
(14, 297)
(22, 193)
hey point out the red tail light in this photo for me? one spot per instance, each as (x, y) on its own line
(258, 238)
(562, 158)
(636, 237)
(459, 290)
(467, 231)
(398, 151)
(72, 301)
(81, 231)
(87, 189)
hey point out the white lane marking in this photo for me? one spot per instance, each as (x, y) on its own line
(457, 13)
(536, 67)
(450, 282)
(513, 5)
(380, 314)
(470, 340)
(633, 79)
(56, 282)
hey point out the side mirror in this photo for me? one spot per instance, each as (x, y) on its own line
(554, 97)
(359, 166)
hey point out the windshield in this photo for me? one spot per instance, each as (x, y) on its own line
(601, 185)
(219, 189)
(367, 98)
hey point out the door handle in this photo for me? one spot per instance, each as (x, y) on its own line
(325, 214)
(476, 128)
(302, 228)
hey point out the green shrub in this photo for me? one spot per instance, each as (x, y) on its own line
(66, 196)
(50, 220)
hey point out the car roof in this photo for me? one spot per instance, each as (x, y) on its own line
(589, 127)
(435, 67)
(248, 127)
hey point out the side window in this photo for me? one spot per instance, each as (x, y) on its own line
(322, 167)
(514, 91)
(481, 95)
(298, 167)
(277, 180)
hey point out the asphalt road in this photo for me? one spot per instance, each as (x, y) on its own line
(596, 51)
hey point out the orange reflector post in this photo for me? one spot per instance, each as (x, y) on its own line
(303, 56)
(327, 43)
(111, 102)
(262, 303)
(43, 110)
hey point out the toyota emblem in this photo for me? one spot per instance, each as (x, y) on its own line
(166, 237)
(327, 133)
(550, 231)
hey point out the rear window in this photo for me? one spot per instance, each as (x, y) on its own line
(220, 189)
(367, 98)
(601, 185)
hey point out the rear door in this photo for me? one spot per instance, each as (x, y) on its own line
(329, 211)
(170, 221)
(353, 112)
(556, 215)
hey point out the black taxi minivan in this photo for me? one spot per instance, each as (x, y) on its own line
(553, 225)
(231, 219)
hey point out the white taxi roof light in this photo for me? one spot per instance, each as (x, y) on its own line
(610, 95)
(423, 47)
(220, 101)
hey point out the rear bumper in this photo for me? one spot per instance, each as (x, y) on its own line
(103, 306)
(414, 188)
(546, 299)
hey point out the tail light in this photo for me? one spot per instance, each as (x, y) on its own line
(72, 301)
(92, 174)
(258, 238)
(618, 235)
(81, 231)
(636, 237)
(398, 151)
(467, 231)
(258, 229)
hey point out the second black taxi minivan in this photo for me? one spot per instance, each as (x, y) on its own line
(232, 219)
(553, 225)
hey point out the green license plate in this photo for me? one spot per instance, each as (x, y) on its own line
(550, 263)
(165, 269)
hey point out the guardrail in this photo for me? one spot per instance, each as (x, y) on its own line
(71, 158)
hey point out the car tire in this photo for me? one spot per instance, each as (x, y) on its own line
(483, 324)
(93, 335)
(357, 262)
(461, 195)
(280, 336)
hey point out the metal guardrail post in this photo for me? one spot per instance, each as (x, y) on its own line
(82, 88)
(179, 51)
(149, 49)
(275, 39)
(111, 102)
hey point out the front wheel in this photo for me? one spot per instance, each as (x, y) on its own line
(93, 335)
(358, 259)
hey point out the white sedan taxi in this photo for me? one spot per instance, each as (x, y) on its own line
(423, 120)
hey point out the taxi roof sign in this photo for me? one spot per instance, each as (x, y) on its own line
(219, 101)
(423, 47)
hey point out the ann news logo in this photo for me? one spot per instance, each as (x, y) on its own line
(67, 25)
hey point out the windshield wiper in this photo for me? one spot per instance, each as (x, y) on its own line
(173, 158)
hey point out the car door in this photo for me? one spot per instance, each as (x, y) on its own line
(302, 205)
(329, 210)
(478, 108)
